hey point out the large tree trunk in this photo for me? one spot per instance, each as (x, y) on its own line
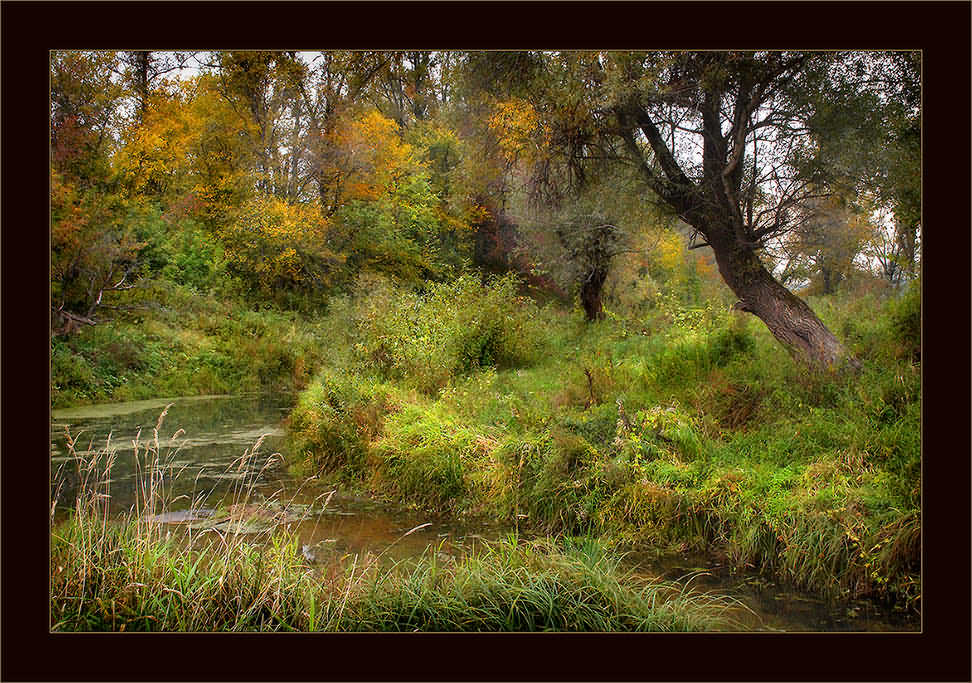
(787, 316)
(590, 293)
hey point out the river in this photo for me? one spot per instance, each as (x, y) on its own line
(213, 462)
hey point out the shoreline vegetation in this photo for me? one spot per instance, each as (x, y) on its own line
(631, 435)
(668, 433)
(669, 301)
(138, 574)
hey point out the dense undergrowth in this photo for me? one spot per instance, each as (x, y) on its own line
(679, 428)
(138, 574)
(166, 339)
(676, 427)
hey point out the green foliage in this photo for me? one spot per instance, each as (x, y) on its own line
(164, 339)
(452, 329)
(660, 433)
(404, 234)
(193, 258)
(906, 320)
(336, 419)
(705, 436)
(424, 460)
(181, 251)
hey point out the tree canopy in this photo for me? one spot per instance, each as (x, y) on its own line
(299, 170)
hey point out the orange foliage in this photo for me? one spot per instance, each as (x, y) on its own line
(518, 129)
(370, 157)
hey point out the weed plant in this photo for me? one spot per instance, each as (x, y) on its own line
(127, 574)
(675, 430)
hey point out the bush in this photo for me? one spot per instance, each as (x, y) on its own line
(422, 460)
(336, 419)
(665, 433)
(906, 321)
(452, 329)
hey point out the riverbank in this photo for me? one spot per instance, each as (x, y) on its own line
(121, 580)
(682, 429)
(242, 567)
(166, 339)
(677, 429)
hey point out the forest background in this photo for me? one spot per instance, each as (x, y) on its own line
(473, 268)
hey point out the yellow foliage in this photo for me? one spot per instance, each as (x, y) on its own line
(518, 129)
(189, 140)
(371, 156)
(669, 254)
(279, 244)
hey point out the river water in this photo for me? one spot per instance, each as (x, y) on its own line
(212, 463)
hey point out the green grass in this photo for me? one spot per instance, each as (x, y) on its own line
(691, 430)
(122, 578)
(164, 339)
(132, 574)
(679, 427)
(571, 585)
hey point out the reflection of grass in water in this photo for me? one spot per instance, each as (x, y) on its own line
(132, 574)
(107, 410)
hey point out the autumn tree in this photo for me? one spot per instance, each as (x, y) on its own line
(484, 106)
(721, 138)
(142, 70)
(266, 88)
(93, 249)
(576, 208)
(575, 235)
(405, 90)
(278, 248)
(391, 217)
(867, 126)
(823, 247)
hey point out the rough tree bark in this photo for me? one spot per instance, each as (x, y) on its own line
(590, 293)
(789, 318)
(718, 205)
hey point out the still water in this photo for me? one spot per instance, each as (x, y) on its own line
(217, 451)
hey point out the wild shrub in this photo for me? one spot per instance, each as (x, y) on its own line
(729, 342)
(423, 460)
(336, 419)
(667, 433)
(596, 425)
(451, 329)
(72, 376)
(906, 322)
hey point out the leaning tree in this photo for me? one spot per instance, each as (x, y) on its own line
(731, 142)
(724, 138)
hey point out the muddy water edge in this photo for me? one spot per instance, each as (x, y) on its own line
(207, 444)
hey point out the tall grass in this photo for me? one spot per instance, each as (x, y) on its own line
(539, 585)
(131, 573)
(681, 430)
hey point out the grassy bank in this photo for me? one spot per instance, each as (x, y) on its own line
(242, 569)
(680, 427)
(165, 339)
(122, 579)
